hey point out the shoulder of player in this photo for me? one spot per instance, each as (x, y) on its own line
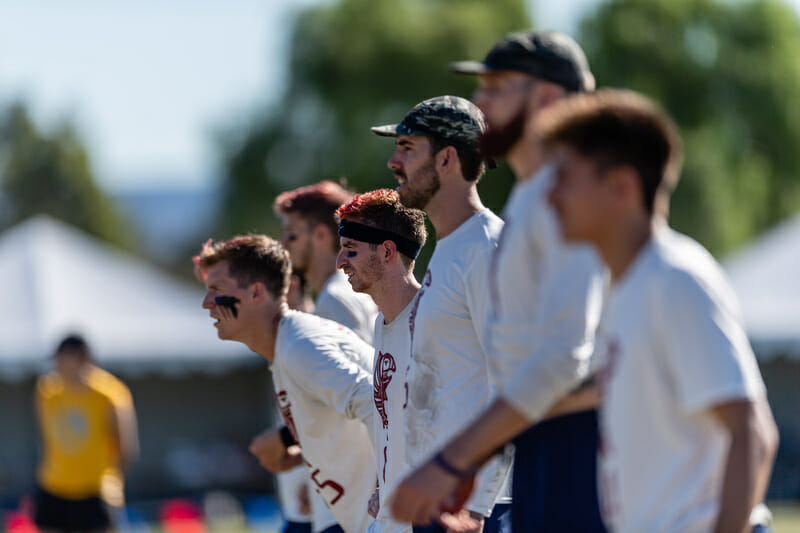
(109, 385)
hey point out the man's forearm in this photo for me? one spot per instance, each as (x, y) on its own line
(477, 443)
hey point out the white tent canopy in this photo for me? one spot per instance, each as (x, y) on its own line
(766, 278)
(59, 280)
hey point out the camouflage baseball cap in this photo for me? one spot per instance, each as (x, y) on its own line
(548, 55)
(450, 117)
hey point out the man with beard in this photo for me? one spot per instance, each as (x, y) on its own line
(309, 235)
(380, 240)
(437, 163)
(542, 323)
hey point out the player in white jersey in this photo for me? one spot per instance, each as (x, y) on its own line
(545, 295)
(309, 235)
(438, 165)
(687, 435)
(380, 240)
(322, 372)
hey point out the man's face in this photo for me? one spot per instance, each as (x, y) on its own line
(579, 196)
(296, 238)
(220, 283)
(70, 362)
(414, 168)
(503, 97)
(361, 262)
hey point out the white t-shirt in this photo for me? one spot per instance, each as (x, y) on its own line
(673, 347)
(392, 357)
(448, 379)
(322, 374)
(338, 301)
(546, 302)
(290, 484)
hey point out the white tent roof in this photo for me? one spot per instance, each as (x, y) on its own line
(766, 278)
(59, 280)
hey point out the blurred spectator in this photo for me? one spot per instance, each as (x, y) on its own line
(89, 437)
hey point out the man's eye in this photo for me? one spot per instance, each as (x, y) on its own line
(351, 253)
(291, 237)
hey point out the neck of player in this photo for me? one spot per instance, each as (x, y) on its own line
(453, 205)
(394, 292)
(263, 336)
(321, 267)
(620, 244)
(525, 158)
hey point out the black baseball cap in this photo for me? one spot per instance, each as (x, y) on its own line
(548, 55)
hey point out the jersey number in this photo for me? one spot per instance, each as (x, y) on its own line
(328, 483)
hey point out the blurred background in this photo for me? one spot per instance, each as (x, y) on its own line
(132, 131)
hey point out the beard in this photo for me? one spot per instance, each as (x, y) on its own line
(426, 184)
(496, 142)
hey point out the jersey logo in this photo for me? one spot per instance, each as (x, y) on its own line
(382, 376)
(412, 316)
(286, 411)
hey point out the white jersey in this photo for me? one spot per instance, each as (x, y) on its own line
(392, 357)
(290, 484)
(448, 380)
(546, 302)
(674, 347)
(338, 301)
(323, 381)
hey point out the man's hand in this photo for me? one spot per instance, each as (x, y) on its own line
(374, 504)
(463, 521)
(423, 497)
(272, 454)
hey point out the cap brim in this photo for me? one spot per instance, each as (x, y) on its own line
(389, 130)
(468, 67)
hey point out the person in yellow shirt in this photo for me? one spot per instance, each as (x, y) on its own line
(89, 437)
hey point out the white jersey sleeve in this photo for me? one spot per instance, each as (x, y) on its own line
(547, 302)
(705, 346)
(323, 381)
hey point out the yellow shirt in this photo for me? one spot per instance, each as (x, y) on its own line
(80, 445)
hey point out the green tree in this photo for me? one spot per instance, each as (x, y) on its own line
(728, 73)
(354, 64)
(51, 174)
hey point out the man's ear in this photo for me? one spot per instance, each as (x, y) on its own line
(388, 251)
(258, 291)
(446, 159)
(625, 184)
(323, 236)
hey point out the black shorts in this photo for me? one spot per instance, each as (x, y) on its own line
(85, 514)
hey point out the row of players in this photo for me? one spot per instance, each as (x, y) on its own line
(503, 339)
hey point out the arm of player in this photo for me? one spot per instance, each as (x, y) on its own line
(127, 433)
(754, 441)
(422, 495)
(273, 455)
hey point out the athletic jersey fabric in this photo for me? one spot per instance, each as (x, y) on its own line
(338, 301)
(392, 357)
(80, 452)
(448, 379)
(546, 302)
(323, 381)
(674, 346)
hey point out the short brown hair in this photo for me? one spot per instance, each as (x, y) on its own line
(383, 209)
(618, 127)
(316, 203)
(251, 258)
(473, 165)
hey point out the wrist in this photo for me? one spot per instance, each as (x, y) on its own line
(451, 468)
(287, 437)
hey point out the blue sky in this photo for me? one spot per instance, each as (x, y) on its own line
(149, 81)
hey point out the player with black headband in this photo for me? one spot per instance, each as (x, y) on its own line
(321, 370)
(380, 240)
(437, 164)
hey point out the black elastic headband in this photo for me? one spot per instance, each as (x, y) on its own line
(364, 233)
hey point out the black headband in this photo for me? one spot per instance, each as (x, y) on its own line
(363, 233)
